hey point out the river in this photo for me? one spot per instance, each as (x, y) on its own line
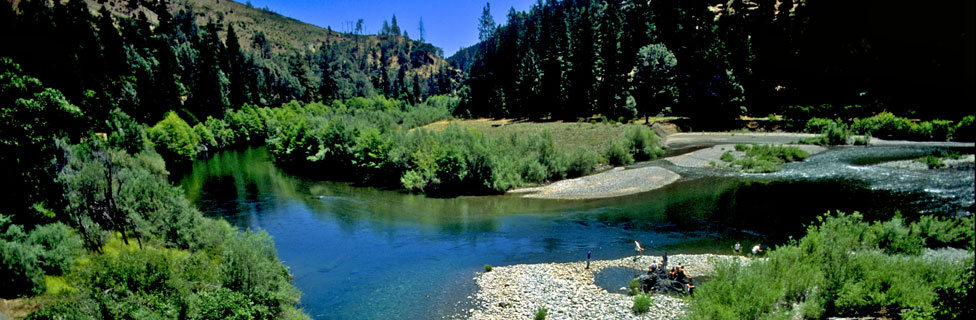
(364, 253)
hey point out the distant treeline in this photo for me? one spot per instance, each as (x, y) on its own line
(715, 60)
(102, 62)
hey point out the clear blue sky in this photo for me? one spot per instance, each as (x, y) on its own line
(449, 24)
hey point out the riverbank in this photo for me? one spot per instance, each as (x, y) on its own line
(568, 290)
(614, 183)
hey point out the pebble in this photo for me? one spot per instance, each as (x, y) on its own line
(567, 290)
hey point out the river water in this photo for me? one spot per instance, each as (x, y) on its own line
(364, 253)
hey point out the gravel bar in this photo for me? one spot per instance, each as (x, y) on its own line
(613, 183)
(568, 291)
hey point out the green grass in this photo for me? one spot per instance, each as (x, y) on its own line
(568, 136)
(763, 158)
(540, 314)
(634, 287)
(938, 160)
(642, 304)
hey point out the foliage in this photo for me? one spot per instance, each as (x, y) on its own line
(59, 246)
(643, 143)
(634, 287)
(581, 162)
(31, 118)
(568, 59)
(540, 314)
(175, 139)
(763, 158)
(833, 132)
(27, 257)
(964, 129)
(642, 304)
(146, 59)
(844, 266)
(487, 268)
(618, 154)
(933, 162)
(20, 272)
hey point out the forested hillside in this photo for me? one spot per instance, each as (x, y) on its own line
(713, 61)
(201, 57)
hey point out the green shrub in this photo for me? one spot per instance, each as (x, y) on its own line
(939, 233)
(643, 143)
(174, 138)
(206, 137)
(20, 270)
(581, 162)
(831, 133)
(837, 134)
(487, 268)
(634, 287)
(642, 304)
(59, 245)
(618, 154)
(818, 125)
(933, 162)
(764, 158)
(843, 266)
(540, 314)
(727, 157)
(963, 130)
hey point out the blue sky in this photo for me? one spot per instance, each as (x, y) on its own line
(449, 24)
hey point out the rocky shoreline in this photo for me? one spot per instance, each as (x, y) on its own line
(963, 162)
(568, 290)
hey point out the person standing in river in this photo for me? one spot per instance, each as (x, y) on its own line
(638, 250)
(588, 253)
(664, 260)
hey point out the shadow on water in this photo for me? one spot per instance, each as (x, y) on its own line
(615, 279)
(360, 252)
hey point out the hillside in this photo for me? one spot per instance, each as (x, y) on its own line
(202, 57)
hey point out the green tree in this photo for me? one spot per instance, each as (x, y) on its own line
(654, 85)
(174, 138)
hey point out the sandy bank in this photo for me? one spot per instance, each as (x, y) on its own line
(567, 290)
(613, 183)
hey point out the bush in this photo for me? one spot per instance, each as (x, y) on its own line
(581, 162)
(634, 287)
(540, 314)
(174, 138)
(963, 130)
(643, 143)
(487, 268)
(844, 266)
(20, 270)
(727, 157)
(618, 154)
(642, 304)
(59, 247)
(764, 158)
(884, 125)
(819, 125)
(933, 162)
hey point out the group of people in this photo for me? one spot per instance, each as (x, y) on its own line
(756, 249)
(676, 273)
